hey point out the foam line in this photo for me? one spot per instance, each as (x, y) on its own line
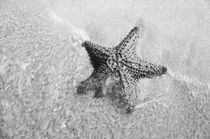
(77, 36)
(184, 78)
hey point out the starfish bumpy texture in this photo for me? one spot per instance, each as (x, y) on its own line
(121, 61)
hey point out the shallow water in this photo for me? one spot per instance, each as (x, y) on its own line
(42, 62)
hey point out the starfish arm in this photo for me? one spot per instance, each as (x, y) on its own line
(139, 68)
(128, 97)
(94, 82)
(97, 53)
(87, 84)
(128, 44)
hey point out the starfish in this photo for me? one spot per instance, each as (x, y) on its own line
(123, 62)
